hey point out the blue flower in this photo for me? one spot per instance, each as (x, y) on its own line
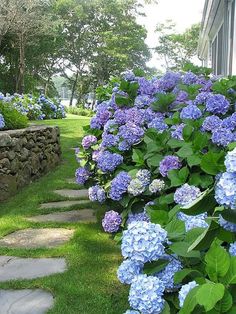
(111, 221)
(144, 176)
(142, 101)
(89, 141)
(128, 75)
(225, 191)
(184, 291)
(2, 122)
(230, 161)
(169, 163)
(232, 249)
(211, 123)
(190, 112)
(158, 125)
(217, 104)
(130, 133)
(109, 140)
(229, 226)
(131, 312)
(81, 175)
(222, 137)
(201, 98)
(146, 294)
(168, 81)
(192, 222)
(96, 193)
(119, 186)
(143, 216)
(177, 131)
(189, 78)
(186, 194)
(128, 270)
(108, 162)
(143, 241)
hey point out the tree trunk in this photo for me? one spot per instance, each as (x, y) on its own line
(73, 88)
(20, 84)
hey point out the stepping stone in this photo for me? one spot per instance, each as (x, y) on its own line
(83, 215)
(14, 268)
(72, 193)
(37, 238)
(25, 301)
(62, 204)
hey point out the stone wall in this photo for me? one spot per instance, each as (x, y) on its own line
(25, 155)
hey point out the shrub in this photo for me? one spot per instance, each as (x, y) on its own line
(165, 156)
(80, 111)
(12, 118)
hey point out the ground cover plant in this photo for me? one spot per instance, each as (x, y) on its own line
(160, 153)
(16, 109)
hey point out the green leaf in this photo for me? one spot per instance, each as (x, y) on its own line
(209, 294)
(225, 304)
(185, 151)
(154, 267)
(122, 101)
(138, 156)
(180, 275)
(200, 141)
(181, 249)
(230, 277)
(190, 302)
(166, 199)
(163, 101)
(166, 309)
(174, 143)
(193, 160)
(175, 229)
(154, 161)
(158, 216)
(187, 132)
(213, 163)
(178, 177)
(217, 262)
(229, 215)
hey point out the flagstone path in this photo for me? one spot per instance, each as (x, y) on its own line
(37, 301)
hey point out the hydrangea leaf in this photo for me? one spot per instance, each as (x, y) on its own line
(230, 277)
(174, 143)
(187, 132)
(217, 262)
(229, 215)
(154, 267)
(175, 229)
(193, 160)
(182, 274)
(225, 304)
(209, 294)
(166, 309)
(138, 156)
(185, 151)
(190, 302)
(181, 249)
(158, 216)
(213, 163)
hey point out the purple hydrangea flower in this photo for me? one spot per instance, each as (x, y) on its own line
(222, 137)
(168, 81)
(177, 131)
(119, 185)
(81, 175)
(109, 140)
(137, 217)
(89, 141)
(96, 153)
(190, 112)
(123, 146)
(169, 163)
(189, 78)
(142, 101)
(96, 193)
(186, 194)
(128, 270)
(217, 104)
(111, 221)
(128, 75)
(110, 126)
(131, 133)
(146, 87)
(227, 123)
(158, 125)
(108, 162)
(211, 123)
(201, 98)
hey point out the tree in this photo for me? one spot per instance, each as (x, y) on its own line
(176, 49)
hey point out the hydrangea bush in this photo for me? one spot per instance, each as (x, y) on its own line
(161, 154)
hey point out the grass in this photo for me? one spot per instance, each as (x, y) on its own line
(90, 285)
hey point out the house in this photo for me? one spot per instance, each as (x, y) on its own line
(217, 42)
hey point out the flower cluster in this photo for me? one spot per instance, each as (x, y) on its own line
(89, 141)
(184, 291)
(81, 175)
(156, 185)
(169, 163)
(128, 270)
(119, 185)
(111, 221)
(108, 162)
(97, 193)
(186, 194)
(2, 122)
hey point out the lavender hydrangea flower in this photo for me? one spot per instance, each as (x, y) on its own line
(156, 186)
(222, 137)
(128, 75)
(81, 175)
(108, 162)
(168, 81)
(184, 291)
(2, 122)
(144, 176)
(131, 133)
(227, 225)
(123, 146)
(95, 154)
(96, 193)
(230, 161)
(190, 112)
(158, 125)
(189, 78)
(227, 123)
(167, 274)
(177, 131)
(211, 123)
(225, 191)
(128, 270)
(186, 194)
(146, 294)
(146, 87)
(119, 186)
(110, 126)
(217, 104)
(89, 141)
(192, 222)
(109, 140)
(143, 241)
(169, 163)
(142, 101)
(232, 249)
(111, 221)
(201, 98)
(143, 216)
(136, 187)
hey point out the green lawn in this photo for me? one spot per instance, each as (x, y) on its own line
(90, 285)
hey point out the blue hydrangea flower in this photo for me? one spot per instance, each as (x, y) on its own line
(109, 140)
(190, 112)
(131, 312)
(128, 270)
(135, 115)
(158, 125)
(232, 249)
(156, 185)
(131, 133)
(136, 187)
(119, 186)
(185, 290)
(168, 81)
(96, 193)
(230, 161)
(227, 225)
(227, 123)
(169, 163)
(192, 222)
(120, 116)
(167, 274)
(89, 141)
(222, 137)
(225, 191)
(186, 194)
(81, 175)
(123, 146)
(211, 123)
(201, 98)
(177, 131)
(217, 104)
(95, 154)
(143, 241)
(128, 75)
(143, 216)
(146, 294)
(189, 78)
(142, 101)
(146, 87)
(108, 162)
(110, 126)
(144, 176)
(111, 221)
(2, 122)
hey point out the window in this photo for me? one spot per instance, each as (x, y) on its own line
(217, 52)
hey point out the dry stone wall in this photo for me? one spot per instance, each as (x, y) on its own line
(26, 155)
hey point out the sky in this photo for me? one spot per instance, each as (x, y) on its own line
(183, 12)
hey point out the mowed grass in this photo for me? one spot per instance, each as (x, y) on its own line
(90, 285)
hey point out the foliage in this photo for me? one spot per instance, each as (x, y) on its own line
(171, 173)
(80, 111)
(12, 117)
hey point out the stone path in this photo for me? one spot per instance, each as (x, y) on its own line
(13, 268)
(37, 301)
(25, 301)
